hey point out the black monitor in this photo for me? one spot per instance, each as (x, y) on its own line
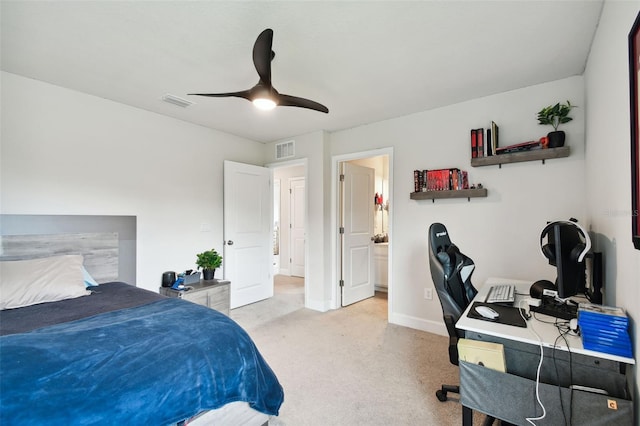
(566, 248)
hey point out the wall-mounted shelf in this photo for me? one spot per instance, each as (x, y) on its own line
(518, 157)
(459, 193)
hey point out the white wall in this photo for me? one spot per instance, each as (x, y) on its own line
(314, 147)
(65, 152)
(608, 159)
(501, 232)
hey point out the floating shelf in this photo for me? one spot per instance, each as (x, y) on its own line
(460, 193)
(518, 157)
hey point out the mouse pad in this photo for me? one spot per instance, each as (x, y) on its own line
(509, 315)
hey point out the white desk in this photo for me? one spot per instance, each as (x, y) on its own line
(511, 396)
(546, 330)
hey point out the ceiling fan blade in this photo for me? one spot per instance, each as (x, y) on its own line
(242, 94)
(294, 101)
(262, 55)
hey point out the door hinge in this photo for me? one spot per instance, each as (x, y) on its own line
(342, 229)
(341, 178)
(341, 283)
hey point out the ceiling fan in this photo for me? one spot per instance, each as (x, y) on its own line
(264, 95)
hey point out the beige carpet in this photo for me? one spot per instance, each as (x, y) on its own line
(349, 366)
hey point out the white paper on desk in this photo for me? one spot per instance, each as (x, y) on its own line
(487, 354)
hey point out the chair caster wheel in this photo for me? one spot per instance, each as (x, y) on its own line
(441, 395)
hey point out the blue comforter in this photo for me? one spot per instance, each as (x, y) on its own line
(154, 364)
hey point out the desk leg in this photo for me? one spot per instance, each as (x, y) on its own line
(467, 416)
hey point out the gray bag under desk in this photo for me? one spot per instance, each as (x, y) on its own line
(511, 396)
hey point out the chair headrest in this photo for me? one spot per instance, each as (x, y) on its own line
(439, 237)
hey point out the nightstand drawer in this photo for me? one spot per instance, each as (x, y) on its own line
(199, 297)
(213, 294)
(219, 299)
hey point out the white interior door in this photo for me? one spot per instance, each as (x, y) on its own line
(297, 226)
(248, 248)
(357, 223)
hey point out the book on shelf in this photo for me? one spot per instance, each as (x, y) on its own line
(481, 144)
(494, 137)
(490, 151)
(474, 143)
(440, 180)
(417, 181)
(518, 147)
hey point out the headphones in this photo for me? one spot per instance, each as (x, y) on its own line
(577, 253)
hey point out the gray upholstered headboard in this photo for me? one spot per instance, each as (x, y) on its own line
(108, 243)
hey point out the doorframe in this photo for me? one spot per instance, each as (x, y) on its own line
(335, 224)
(305, 164)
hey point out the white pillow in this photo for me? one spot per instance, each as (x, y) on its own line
(28, 282)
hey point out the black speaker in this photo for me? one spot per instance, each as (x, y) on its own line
(539, 287)
(168, 278)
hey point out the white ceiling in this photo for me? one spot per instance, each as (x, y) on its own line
(366, 61)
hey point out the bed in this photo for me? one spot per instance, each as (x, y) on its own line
(117, 354)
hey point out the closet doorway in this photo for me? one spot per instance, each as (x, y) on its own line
(289, 220)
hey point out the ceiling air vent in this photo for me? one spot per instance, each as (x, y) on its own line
(176, 100)
(285, 150)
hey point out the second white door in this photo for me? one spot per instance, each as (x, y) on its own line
(297, 225)
(357, 233)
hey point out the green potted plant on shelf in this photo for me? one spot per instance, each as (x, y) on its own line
(555, 115)
(208, 260)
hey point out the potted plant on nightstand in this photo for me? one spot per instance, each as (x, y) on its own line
(208, 260)
(554, 115)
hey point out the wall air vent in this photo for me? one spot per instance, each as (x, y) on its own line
(176, 100)
(285, 150)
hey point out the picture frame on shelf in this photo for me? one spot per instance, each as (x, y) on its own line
(634, 96)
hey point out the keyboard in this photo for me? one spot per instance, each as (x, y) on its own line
(502, 293)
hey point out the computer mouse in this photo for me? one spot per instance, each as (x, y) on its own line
(487, 312)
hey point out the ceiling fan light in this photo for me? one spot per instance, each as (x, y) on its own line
(264, 103)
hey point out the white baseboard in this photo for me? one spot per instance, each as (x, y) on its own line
(436, 327)
(318, 305)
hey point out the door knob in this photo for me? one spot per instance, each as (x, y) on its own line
(230, 242)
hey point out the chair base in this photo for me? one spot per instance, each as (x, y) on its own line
(441, 393)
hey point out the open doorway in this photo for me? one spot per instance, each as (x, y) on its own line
(289, 225)
(378, 202)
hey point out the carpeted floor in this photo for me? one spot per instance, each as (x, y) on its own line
(349, 366)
